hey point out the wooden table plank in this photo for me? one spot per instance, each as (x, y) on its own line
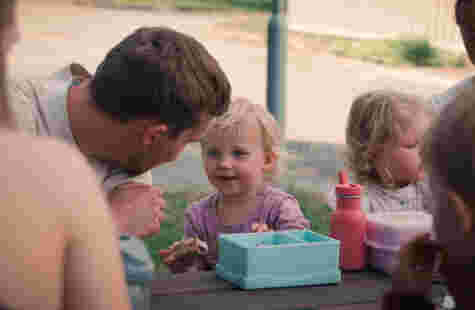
(241, 300)
(205, 291)
(188, 283)
(372, 306)
(198, 282)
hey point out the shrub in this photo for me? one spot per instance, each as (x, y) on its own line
(265, 5)
(420, 52)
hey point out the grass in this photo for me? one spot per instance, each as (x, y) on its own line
(390, 52)
(312, 204)
(394, 52)
(250, 5)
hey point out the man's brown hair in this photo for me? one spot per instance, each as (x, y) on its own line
(160, 74)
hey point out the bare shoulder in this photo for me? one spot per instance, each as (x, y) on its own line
(18, 147)
(49, 175)
(53, 209)
(34, 192)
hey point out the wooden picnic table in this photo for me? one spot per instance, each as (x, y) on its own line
(203, 290)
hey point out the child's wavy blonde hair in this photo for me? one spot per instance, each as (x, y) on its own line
(375, 118)
(242, 109)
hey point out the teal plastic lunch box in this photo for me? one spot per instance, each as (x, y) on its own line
(278, 259)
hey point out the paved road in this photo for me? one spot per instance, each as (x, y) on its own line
(321, 87)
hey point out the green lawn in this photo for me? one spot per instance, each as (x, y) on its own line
(312, 205)
(392, 52)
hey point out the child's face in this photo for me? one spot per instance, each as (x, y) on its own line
(401, 155)
(235, 162)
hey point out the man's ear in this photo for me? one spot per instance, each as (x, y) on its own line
(270, 161)
(464, 213)
(153, 132)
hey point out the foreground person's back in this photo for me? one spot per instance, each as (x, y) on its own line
(57, 240)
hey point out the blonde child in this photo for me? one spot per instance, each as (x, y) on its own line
(240, 153)
(449, 155)
(383, 135)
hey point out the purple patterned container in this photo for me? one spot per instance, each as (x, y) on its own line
(388, 231)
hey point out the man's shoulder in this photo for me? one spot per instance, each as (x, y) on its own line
(42, 153)
(26, 93)
(31, 86)
(37, 166)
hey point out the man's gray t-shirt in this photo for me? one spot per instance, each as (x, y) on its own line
(39, 106)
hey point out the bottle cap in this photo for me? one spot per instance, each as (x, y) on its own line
(346, 189)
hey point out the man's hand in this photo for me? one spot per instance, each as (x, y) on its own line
(137, 208)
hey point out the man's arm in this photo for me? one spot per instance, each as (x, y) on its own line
(137, 209)
(96, 268)
(136, 205)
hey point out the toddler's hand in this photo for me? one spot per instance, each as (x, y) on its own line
(417, 263)
(260, 227)
(182, 255)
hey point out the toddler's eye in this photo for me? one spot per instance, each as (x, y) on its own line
(240, 153)
(212, 153)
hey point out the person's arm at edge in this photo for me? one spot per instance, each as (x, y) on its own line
(66, 241)
(94, 274)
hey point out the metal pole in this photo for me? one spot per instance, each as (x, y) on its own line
(277, 62)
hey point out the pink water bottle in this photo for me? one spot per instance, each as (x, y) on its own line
(348, 225)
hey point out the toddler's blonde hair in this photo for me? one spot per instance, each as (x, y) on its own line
(241, 110)
(375, 118)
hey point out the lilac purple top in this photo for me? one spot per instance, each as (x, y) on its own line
(277, 209)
